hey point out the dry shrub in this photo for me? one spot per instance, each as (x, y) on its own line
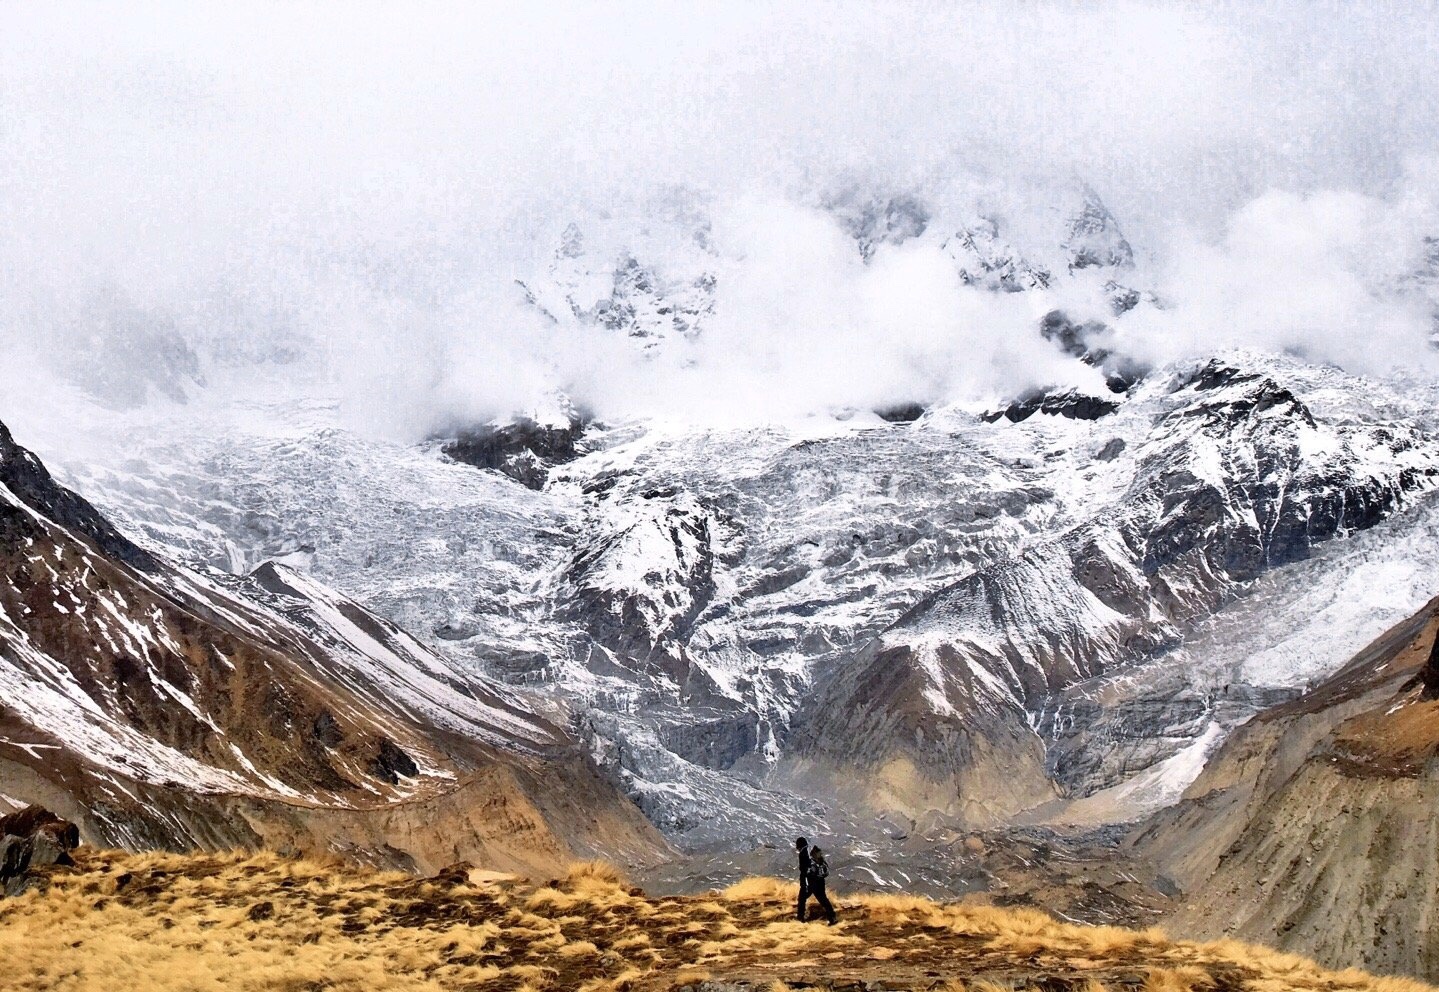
(1104, 942)
(1021, 946)
(580, 949)
(631, 942)
(686, 977)
(989, 985)
(594, 871)
(890, 905)
(725, 928)
(1386, 983)
(554, 900)
(761, 889)
(791, 936)
(545, 945)
(1019, 922)
(1181, 979)
(623, 982)
(532, 974)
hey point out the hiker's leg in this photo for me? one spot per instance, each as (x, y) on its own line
(803, 898)
(823, 898)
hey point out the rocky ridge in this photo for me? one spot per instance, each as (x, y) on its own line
(159, 706)
(1312, 826)
(32, 839)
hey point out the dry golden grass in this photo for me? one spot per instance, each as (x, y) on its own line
(207, 923)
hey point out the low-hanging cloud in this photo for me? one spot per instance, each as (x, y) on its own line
(203, 199)
(1333, 277)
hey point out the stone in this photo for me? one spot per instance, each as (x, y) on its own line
(33, 838)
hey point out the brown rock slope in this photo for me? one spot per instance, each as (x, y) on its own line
(938, 712)
(1314, 828)
(157, 707)
(166, 922)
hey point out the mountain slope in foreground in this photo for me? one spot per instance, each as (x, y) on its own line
(1313, 827)
(202, 922)
(157, 706)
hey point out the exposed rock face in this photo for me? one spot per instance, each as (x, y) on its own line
(153, 706)
(1429, 674)
(1312, 828)
(1068, 403)
(34, 837)
(643, 574)
(639, 307)
(28, 481)
(391, 763)
(904, 413)
(985, 260)
(1095, 240)
(524, 450)
(606, 280)
(877, 220)
(1082, 340)
(945, 702)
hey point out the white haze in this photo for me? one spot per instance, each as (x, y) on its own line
(341, 197)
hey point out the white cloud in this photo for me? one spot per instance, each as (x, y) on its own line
(1319, 276)
(359, 185)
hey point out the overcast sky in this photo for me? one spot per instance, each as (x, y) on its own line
(373, 176)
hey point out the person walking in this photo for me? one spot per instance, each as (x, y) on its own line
(802, 847)
(818, 872)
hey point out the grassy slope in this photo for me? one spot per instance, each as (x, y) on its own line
(261, 922)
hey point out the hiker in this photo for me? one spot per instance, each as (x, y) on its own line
(818, 872)
(802, 846)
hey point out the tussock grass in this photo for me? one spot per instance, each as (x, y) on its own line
(253, 922)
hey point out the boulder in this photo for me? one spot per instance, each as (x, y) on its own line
(33, 838)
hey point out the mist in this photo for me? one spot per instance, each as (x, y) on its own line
(201, 201)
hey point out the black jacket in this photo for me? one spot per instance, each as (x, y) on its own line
(804, 864)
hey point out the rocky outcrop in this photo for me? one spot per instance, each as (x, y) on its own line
(902, 413)
(985, 260)
(32, 838)
(645, 570)
(640, 308)
(1094, 239)
(1082, 339)
(523, 449)
(30, 484)
(1069, 403)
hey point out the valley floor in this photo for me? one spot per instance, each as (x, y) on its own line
(119, 922)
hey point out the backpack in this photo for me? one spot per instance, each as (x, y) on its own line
(818, 870)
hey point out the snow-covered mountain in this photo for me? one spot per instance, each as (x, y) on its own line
(834, 620)
(866, 624)
(160, 705)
